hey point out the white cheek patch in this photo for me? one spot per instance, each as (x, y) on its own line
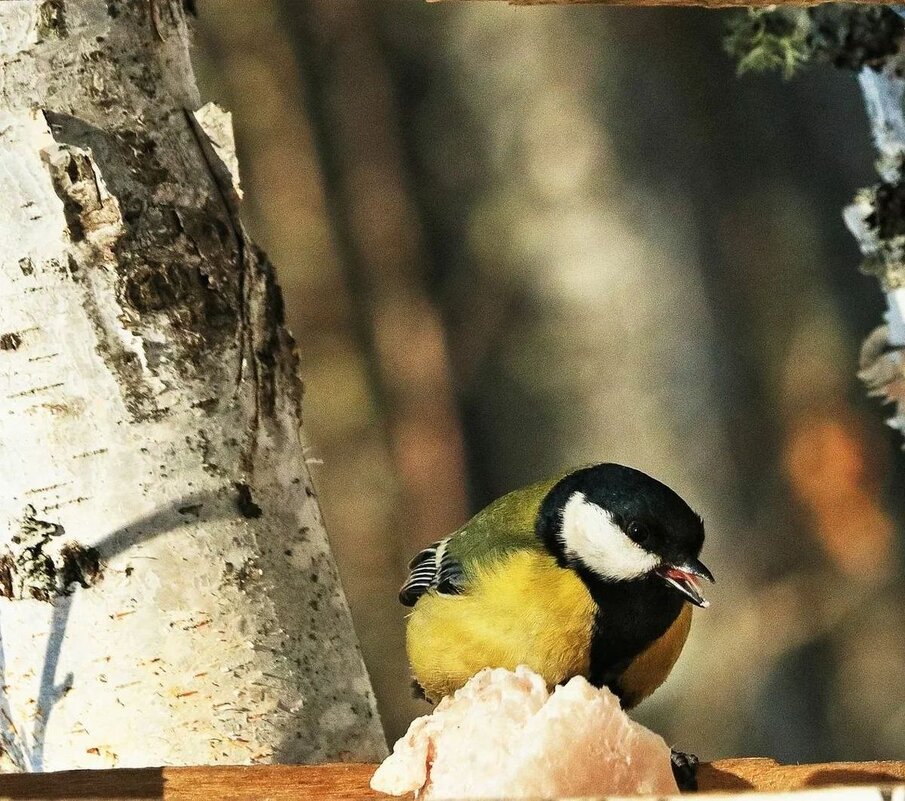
(590, 535)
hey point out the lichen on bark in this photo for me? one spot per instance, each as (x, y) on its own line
(785, 38)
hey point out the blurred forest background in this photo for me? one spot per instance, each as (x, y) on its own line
(515, 240)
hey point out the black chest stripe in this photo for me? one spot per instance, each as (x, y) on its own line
(630, 616)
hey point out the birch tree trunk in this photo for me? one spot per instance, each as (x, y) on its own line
(167, 594)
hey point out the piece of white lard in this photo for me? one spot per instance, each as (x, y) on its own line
(504, 735)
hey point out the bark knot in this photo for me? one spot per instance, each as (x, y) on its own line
(38, 563)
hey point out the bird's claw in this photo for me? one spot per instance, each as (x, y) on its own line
(685, 770)
(418, 691)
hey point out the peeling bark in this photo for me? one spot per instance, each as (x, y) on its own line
(167, 594)
(877, 220)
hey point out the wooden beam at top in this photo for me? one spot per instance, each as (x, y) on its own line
(696, 3)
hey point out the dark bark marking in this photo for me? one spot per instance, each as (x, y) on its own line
(171, 262)
(81, 565)
(206, 405)
(244, 502)
(35, 390)
(274, 340)
(6, 575)
(241, 576)
(160, 287)
(72, 208)
(888, 217)
(10, 341)
(267, 346)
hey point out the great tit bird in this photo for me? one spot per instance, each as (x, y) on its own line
(593, 573)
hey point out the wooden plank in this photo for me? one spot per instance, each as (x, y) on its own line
(769, 776)
(272, 782)
(350, 781)
(234, 783)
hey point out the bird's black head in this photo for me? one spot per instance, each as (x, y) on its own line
(618, 524)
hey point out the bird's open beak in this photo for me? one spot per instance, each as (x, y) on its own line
(685, 578)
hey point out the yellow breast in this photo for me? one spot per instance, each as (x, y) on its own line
(521, 610)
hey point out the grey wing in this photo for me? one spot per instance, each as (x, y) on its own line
(433, 568)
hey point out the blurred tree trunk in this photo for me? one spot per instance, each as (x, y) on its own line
(168, 594)
(376, 223)
(401, 334)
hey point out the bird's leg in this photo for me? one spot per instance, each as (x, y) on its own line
(418, 692)
(685, 770)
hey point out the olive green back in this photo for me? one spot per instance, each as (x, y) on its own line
(504, 526)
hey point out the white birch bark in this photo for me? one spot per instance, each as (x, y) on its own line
(167, 594)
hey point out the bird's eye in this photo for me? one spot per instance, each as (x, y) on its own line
(637, 532)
